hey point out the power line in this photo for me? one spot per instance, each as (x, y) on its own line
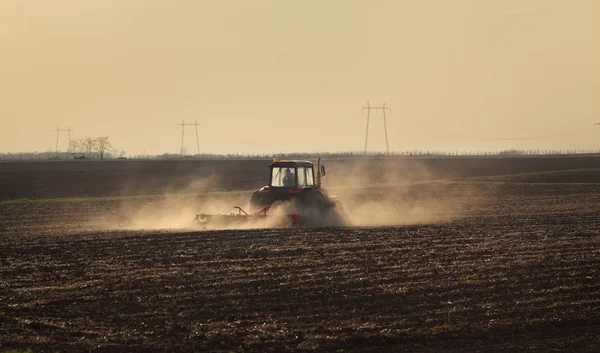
(383, 108)
(183, 124)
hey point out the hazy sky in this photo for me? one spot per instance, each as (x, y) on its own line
(278, 76)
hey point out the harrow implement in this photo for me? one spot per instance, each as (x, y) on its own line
(243, 219)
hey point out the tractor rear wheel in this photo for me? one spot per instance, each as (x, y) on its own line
(314, 199)
(259, 200)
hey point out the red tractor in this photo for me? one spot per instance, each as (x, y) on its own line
(294, 183)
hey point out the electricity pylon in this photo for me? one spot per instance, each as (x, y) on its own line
(58, 133)
(383, 108)
(183, 125)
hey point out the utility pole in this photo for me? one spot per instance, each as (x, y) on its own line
(182, 133)
(383, 108)
(183, 124)
(197, 140)
(58, 133)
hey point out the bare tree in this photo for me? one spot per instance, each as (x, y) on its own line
(102, 145)
(113, 152)
(79, 147)
(88, 144)
(74, 146)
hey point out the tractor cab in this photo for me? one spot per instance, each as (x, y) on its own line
(292, 174)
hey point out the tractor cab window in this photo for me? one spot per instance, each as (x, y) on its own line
(301, 177)
(283, 177)
(310, 180)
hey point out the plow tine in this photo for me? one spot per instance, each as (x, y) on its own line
(240, 210)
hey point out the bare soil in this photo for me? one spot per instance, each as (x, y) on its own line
(519, 272)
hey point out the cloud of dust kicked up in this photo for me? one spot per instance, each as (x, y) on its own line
(393, 192)
(367, 193)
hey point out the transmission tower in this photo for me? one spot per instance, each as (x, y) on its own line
(183, 124)
(383, 108)
(58, 134)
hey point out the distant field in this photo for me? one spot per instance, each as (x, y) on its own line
(591, 175)
(35, 180)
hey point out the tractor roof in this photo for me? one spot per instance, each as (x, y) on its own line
(291, 163)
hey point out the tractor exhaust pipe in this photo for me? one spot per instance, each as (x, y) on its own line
(320, 172)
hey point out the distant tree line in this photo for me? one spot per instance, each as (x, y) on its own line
(79, 148)
(356, 154)
(101, 148)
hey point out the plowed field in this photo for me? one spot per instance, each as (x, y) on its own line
(519, 272)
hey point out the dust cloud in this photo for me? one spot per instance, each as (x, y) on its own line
(392, 192)
(177, 206)
(365, 194)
